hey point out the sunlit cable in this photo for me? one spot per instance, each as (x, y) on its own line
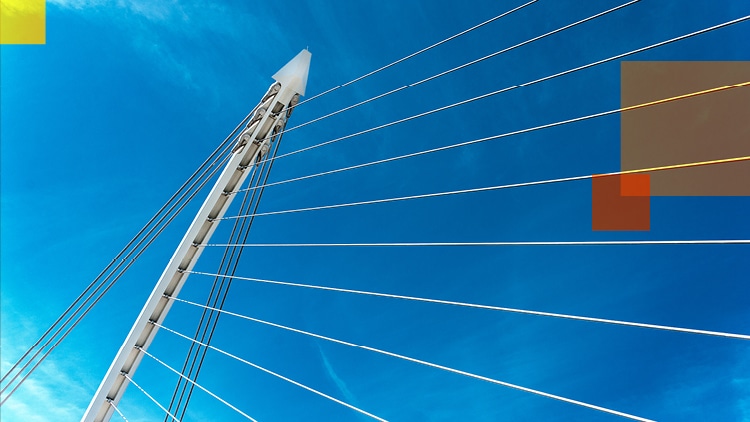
(149, 396)
(463, 66)
(434, 365)
(196, 384)
(496, 187)
(502, 135)
(268, 371)
(204, 331)
(489, 94)
(487, 307)
(112, 404)
(461, 244)
(452, 37)
(263, 173)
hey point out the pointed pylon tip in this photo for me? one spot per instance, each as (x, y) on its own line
(294, 74)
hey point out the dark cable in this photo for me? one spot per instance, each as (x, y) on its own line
(234, 264)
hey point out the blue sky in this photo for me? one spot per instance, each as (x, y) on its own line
(126, 99)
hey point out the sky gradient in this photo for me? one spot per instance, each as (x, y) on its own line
(106, 120)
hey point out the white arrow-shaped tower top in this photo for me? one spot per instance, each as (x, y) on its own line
(294, 74)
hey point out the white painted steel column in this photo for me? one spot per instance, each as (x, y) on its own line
(268, 119)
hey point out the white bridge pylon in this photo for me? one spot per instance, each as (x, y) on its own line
(268, 119)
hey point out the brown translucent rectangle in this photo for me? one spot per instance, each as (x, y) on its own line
(707, 127)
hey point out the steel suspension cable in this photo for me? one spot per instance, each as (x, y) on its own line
(500, 136)
(494, 137)
(112, 404)
(463, 66)
(123, 252)
(434, 365)
(124, 374)
(234, 260)
(192, 382)
(268, 371)
(462, 244)
(512, 87)
(201, 329)
(224, 284)
(498, 187)
(487, 307)
(382, 68)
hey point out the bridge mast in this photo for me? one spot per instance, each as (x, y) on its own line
(267, 120)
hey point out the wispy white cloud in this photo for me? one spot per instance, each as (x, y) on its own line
(147, 23)
(743, 404)
(741, 384)
(56, 391)
(691, 391)
(152, 10)
(49, 396)
(340, 384)
(189, 44)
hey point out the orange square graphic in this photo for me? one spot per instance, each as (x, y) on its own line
(620, 203)
(635, 185)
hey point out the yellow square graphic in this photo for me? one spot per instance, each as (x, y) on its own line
(23, 22)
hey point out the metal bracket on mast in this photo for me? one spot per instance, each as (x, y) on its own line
(273, 109)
